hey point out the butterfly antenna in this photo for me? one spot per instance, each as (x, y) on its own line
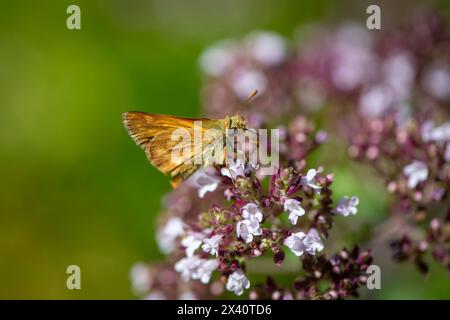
(250, 97)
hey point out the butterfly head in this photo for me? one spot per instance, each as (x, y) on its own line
(237, 122)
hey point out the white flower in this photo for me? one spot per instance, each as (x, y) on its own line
(166, 236)
(436, 82)
(300, 242)
(215, 60)
(140, 278)
(237, 282)
(248, 228)
(312, 242)
(203, 272)
(196, 268)
(207, 188)
(347, 206)
(399, 71)
(251, 210)
(441, 133)
(246, 81)
(294, 208)
(234, 170)
(416, 172)
(437, 134)
(267, 48)
(295, 243)
(243, 230)
(375, 100)
(192, 242)
(211, 245)
(187, 266)
(204, 180)
(310, 179)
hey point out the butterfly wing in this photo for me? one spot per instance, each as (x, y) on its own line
(155, 134)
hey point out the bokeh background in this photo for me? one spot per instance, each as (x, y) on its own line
(74, 189)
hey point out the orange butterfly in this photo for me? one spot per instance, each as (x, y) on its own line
(159, 136)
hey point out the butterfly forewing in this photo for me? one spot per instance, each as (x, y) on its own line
(164, 141)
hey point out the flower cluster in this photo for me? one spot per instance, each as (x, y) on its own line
(413, 159)
(386, 92)
(395, 71)
(290, 216)
(342, 275)
(363, 72)
(236, 68)
(436, 241)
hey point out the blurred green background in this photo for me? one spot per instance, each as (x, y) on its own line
(74, 188)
